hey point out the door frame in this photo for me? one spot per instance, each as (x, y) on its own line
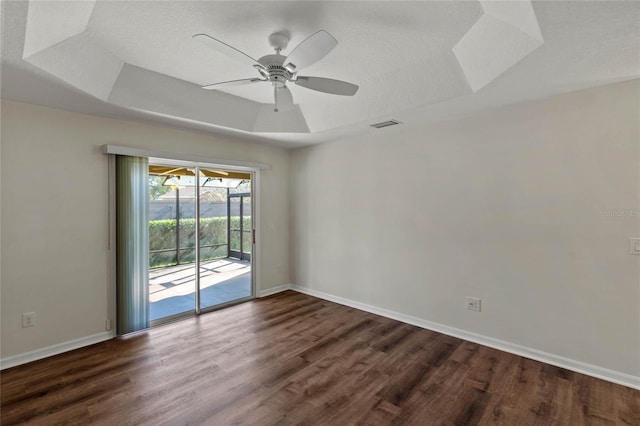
(171, 158)
(255, 253)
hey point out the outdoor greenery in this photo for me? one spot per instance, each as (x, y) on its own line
(156, 190)
(213, 231)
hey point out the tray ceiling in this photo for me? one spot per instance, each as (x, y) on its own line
(414, 61)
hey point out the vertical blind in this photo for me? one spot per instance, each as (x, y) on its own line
(132, 243)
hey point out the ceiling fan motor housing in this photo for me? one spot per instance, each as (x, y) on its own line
(275, 72)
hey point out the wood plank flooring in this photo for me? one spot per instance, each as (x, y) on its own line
(295, 359)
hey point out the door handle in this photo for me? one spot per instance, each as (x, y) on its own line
(253, 234)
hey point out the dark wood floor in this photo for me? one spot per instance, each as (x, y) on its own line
(291, 359)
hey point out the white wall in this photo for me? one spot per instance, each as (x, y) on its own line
(55, 216)
(508, 206)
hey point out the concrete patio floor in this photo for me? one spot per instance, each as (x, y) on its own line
(172, 289)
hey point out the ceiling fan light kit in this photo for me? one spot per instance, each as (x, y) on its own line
(278, 70)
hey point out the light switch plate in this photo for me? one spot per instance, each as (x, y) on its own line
(634, 246)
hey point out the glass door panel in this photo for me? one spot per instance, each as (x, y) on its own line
(171, 245)
(224, 277)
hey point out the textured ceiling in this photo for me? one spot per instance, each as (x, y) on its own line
(414, 61)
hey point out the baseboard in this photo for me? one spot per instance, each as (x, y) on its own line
(59, 348)
(56, 349)
(274, 290)
(548, 358)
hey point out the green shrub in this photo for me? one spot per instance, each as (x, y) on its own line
(213, 230)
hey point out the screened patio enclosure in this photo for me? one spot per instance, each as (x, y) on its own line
(200, 240)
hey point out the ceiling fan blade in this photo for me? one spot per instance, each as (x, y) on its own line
(310, 50)
(283, 98)
(328, 85)
(232, 83)
(227, 50)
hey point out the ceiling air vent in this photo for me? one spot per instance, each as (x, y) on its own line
(385, 124)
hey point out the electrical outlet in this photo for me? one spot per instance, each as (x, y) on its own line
(107, 324)
(634, 246)
(473, 304)
(28, 319)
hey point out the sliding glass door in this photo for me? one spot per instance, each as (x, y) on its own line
(192, 265)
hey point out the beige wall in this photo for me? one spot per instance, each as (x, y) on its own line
(54, 200)
(509, 206)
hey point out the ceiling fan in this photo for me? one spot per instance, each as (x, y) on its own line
(278, 70)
